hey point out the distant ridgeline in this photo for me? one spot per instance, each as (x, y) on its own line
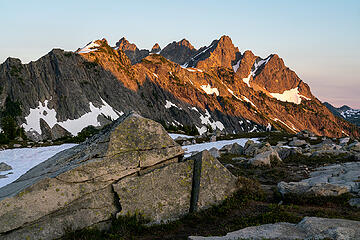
(214, 88)
(345, 112)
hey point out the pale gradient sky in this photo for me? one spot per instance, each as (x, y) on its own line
(319, 40)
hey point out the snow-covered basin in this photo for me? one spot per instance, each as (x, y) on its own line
(189, 149)
(23, 159)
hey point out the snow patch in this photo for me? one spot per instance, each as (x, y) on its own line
(74, 126)
(291, 95)
(247, 100)
(156, 75)
(247, 79)
(258, 64)
(175, 136)
(23, 159)
(92, 46)
(209, 90)
(236, 66)
(170, 104)
(291, 128)
(206, 121)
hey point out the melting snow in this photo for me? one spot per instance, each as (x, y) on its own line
(170, 104)
(236, 66)
(92, 46)
(209, 90)
(206, 120)
(73, 126)
(247, 79)
(291, 128)
(258, 64)
(23, 159)
(291, 95)
(247, 100)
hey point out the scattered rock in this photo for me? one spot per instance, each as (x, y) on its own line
(267, 158)
(331, 180)
(214, 152)
(16, 145)
(185, 143)
(308, 228)
(236, 149)
(5, 167)
(355, 202)
(355, 146)
(213, 138)
(344, 141)
(297, 143)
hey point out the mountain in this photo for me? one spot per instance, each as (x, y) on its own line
(345, 112)
(134, 54)
(178, 52)
(217, 88)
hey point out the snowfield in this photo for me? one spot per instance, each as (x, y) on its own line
(23, 159)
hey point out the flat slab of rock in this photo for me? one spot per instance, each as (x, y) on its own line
(308, 228)
(331, 180)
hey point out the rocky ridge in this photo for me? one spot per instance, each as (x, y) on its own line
(223, 89)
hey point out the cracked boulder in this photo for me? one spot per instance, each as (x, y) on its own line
(74, 188)
(164, 194)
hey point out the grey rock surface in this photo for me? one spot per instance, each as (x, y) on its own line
(168, 189)
(267, 158)
(308, 228)
(331, 180)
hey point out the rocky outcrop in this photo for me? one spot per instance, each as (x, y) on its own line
(308, 228)
(178, 52)
(331, 180)
(96, 180)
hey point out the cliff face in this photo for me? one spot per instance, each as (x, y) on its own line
(220, 88)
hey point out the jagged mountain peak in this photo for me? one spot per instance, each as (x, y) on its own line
(220, 53)
(178, 52)
(156, 48)
(184, 42)
(124, 44)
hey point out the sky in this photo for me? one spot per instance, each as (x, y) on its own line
(319, 40)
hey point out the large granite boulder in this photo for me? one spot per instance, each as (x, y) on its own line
(74, 188)
(169, 189)
(93, 182)
(308, 228)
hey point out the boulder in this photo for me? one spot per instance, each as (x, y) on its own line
(214, 152)
(131, 166)
(236, 149)
(213, 138)
(355, 146)
(45, 130)
(74, 187)
(267, 158)
(4, 167)
(297, 143)
(168, 190)
(58, 131)
(308, 228)
(355, 202)
(251, 148)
